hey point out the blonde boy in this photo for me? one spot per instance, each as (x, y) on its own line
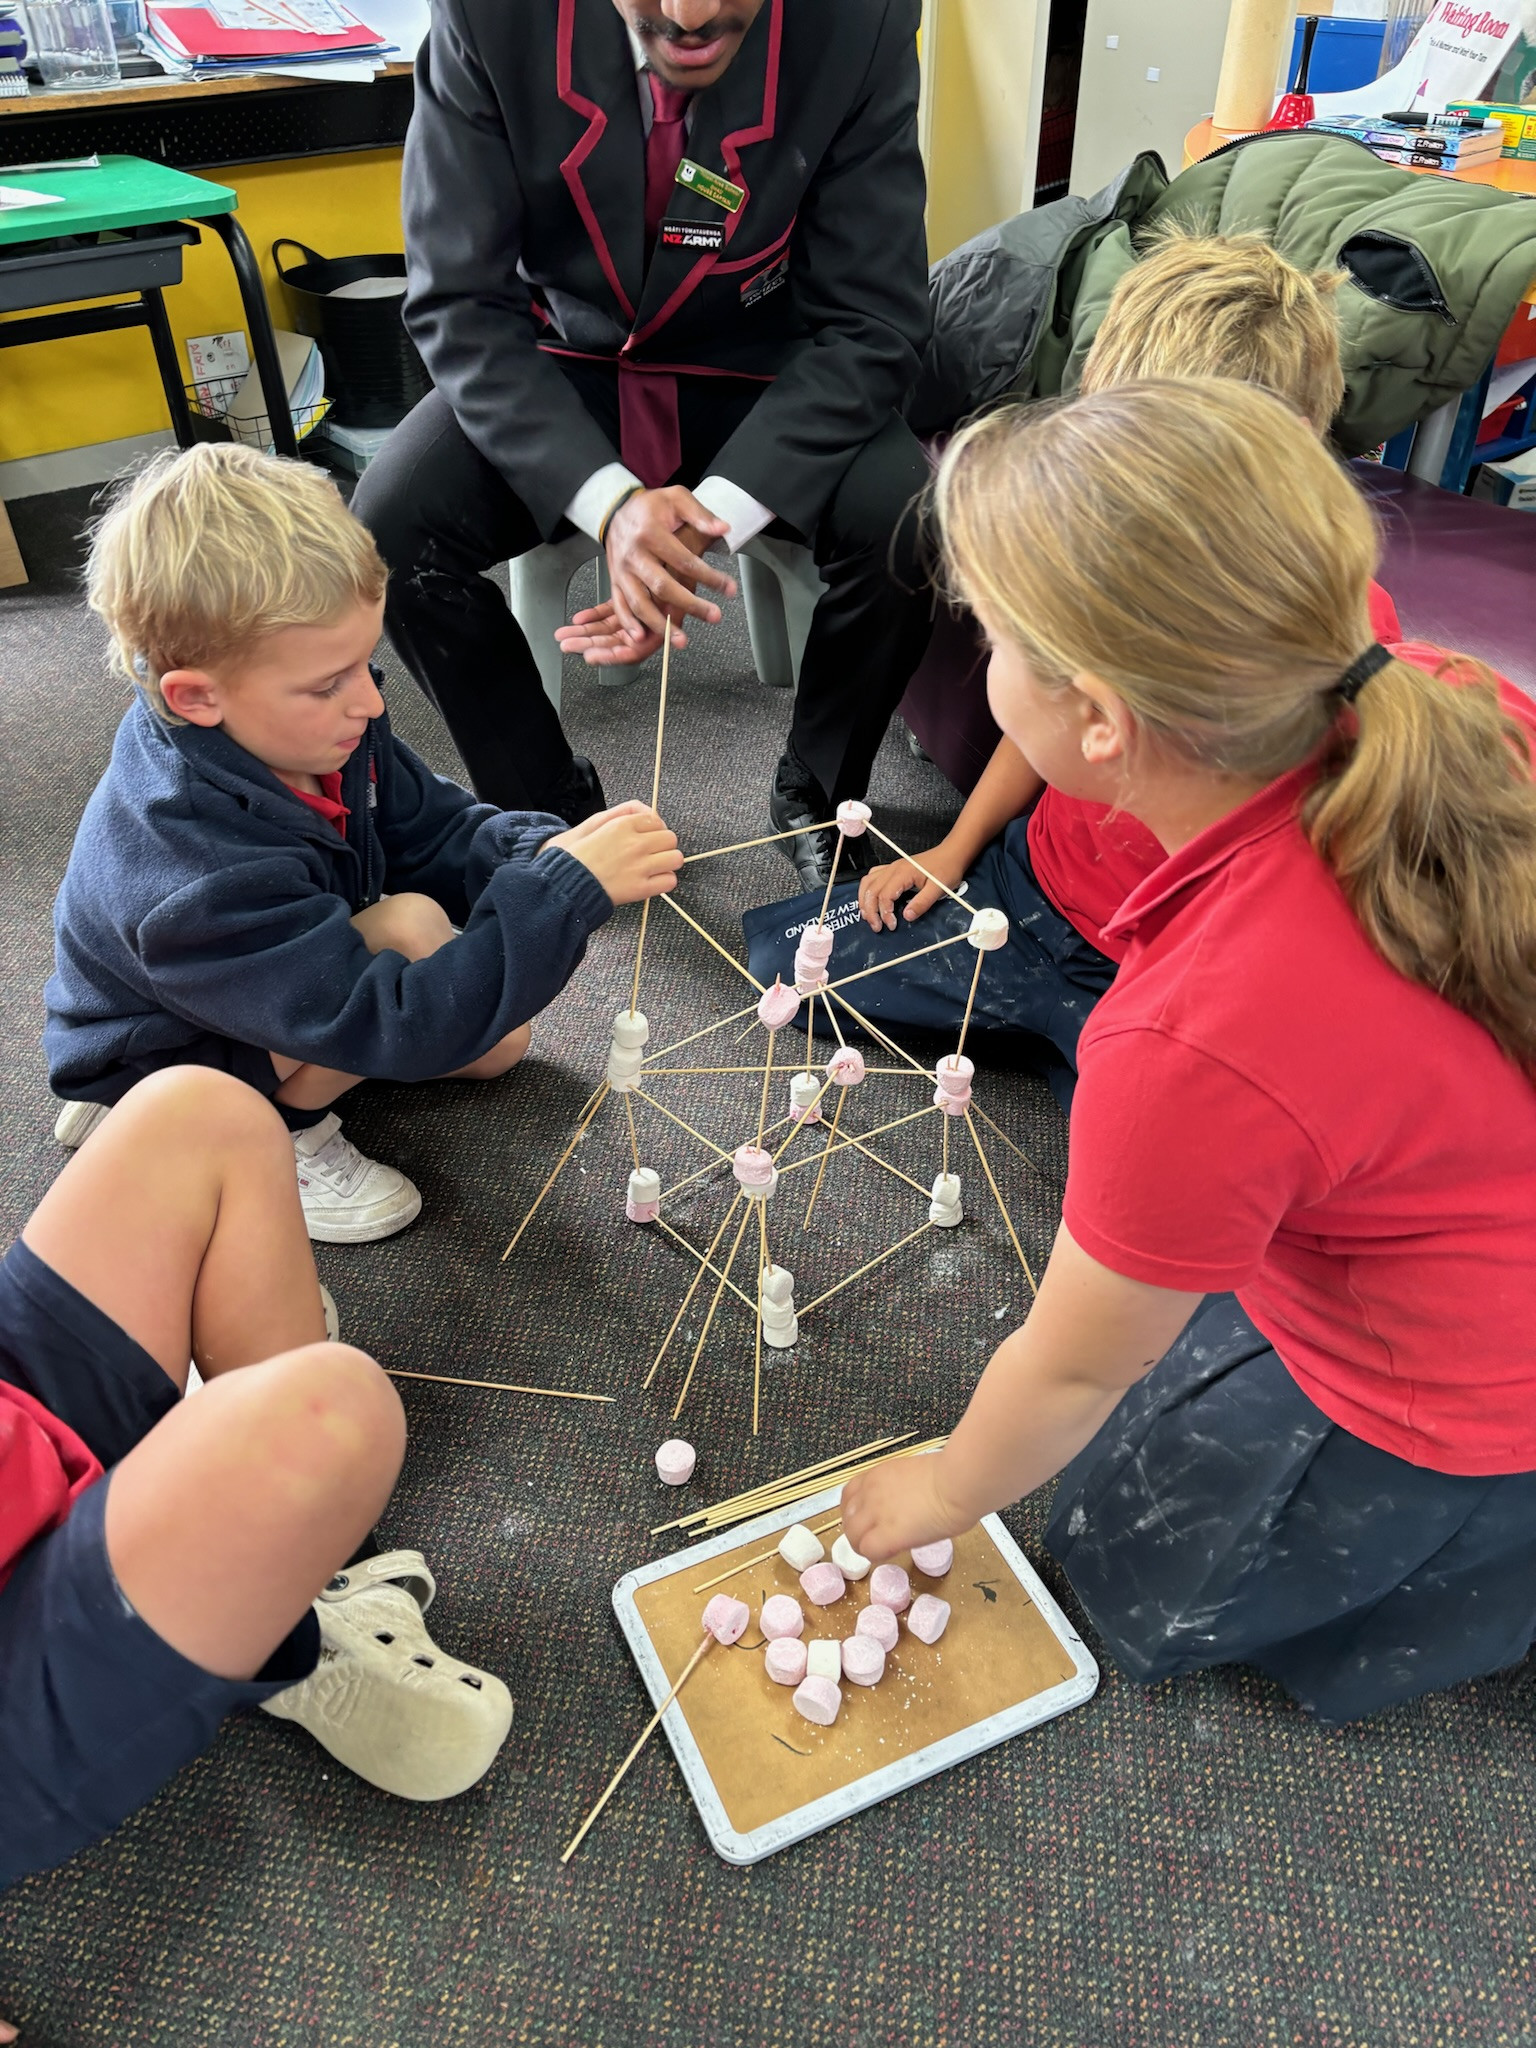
(1194, 306)
(266, 880)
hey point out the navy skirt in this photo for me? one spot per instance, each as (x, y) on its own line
(1219, 1517)
(1044, 982)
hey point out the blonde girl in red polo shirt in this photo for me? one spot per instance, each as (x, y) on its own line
(1285, 1346)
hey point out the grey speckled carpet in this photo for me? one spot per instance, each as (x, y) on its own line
(1197, 1866)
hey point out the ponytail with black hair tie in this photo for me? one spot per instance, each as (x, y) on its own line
(1360, 671)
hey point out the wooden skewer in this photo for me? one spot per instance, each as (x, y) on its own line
(783, 1496)
(772, 1485)
(762, 1106)
(970, 1004)
(998, 1131)
(832, 988)
(879, 1159)
(826, 896)
(895, 1124)
(710, 939)
(868, 1267)
(897, 1051)
(708, 1143)
(768, 839)
(661, 725)
(650, 1728)
(762, 1558)
(693, 1288)
(443, 1379)
(796, 1128)
(842, 1097)
(651, 1073)
(698, 1349)
(757, 1362)
(1002, 1205)
(720, 1024)
(634, 1142)
(953, 894)
(597, 1103)
(744, 1298)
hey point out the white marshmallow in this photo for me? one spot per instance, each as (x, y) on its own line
(642, 1197)
(989, 930)
(624, 1067)
(804, 1098)
(800, 1549)
(781, 1326)
(631, 1030)
(945, 1209)
(824, 1658)
(848, 1560)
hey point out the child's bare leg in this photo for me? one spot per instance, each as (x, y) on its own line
(229, 1517)
(180, 1220)
(416, 926)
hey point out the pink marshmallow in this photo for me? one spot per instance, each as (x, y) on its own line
(642, 1212)
(823, 1584)
(752, 1166)
(928, 1619)
(852, 817)
(953, 1075)
(933, 1560)
(846, 1067)
(818, 1699)
(781, 1616)
(726, 1619)
(784, 1660)
(816, 944)
(675, 1462)
(776, 1006)
(880, 1625)
(863, 1659)
(890, 1587)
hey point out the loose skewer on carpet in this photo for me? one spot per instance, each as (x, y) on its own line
(650, 1728)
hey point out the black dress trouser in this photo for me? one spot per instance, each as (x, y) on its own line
(442, 514)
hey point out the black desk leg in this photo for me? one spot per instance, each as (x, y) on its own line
(170, 369)
(258, 320)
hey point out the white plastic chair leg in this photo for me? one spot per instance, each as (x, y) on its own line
(537, 584)
(781, 589)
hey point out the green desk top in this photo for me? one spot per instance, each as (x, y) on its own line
(127, 192)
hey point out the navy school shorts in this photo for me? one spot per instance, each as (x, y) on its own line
(96, 1711)
(1043, 984)
(1219, 1517)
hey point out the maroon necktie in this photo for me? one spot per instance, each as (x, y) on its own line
(650, 439)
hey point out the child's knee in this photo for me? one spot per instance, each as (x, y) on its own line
(409, 923)
(215, 1108)
(331, 1417)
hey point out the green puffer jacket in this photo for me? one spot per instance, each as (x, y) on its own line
(1436, 270)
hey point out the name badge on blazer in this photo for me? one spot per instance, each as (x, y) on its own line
(710, 185)
(766, 281)
(703, 235)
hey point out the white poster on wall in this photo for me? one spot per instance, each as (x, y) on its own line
(1454, 56)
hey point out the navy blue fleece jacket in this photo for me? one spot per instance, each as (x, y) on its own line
(203, 897)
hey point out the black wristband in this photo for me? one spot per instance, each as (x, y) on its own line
(608, 516)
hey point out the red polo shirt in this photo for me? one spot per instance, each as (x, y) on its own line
(1088, 858)
(43, 1466)
(1266, 1106)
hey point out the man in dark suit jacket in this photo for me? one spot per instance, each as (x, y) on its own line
(655, 244)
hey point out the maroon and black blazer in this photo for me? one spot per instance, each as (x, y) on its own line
(524, 229)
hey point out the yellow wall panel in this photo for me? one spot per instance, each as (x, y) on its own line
(103, 387)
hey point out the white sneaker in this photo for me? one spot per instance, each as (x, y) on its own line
(383, 1699)
(349, 1199)
(76, 1121)
(332, 1319)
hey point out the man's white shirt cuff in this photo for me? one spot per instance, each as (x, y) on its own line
(598, 496)
(742, 513)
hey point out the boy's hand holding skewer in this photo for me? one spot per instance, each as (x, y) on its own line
(628, 849)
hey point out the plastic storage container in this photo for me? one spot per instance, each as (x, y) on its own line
(350, 305)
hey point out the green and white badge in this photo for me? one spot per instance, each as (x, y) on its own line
(710, 185)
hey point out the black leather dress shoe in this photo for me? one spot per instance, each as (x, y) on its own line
(578, 794)
(796, 804)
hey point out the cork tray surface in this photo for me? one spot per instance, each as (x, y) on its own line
(761, 1776)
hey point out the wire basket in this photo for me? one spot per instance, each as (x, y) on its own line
(210, 401)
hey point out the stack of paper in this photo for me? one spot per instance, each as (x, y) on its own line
(315, 38)
(304, 375)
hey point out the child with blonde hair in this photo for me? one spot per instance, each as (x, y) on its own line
(1195, 305)
(266, 880)
(1285, 1346)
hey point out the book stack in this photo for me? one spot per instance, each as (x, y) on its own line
(1443, 142)
(223, 38)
